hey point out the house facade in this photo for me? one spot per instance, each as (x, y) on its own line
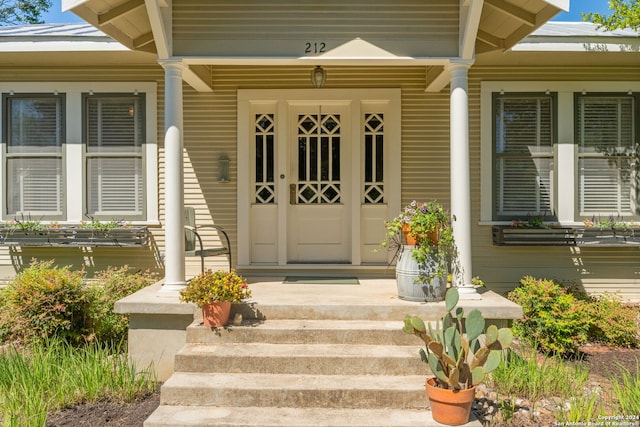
(300, 129)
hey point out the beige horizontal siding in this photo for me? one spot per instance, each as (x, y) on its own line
(92, 260)
(274, 28)
(595, 270)
(249, 19)
(210, 132)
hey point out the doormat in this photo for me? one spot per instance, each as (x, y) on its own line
(311, 280)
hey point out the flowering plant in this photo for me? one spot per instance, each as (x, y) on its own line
(430, 225)
(215, 286)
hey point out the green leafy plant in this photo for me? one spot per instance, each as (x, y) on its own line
(609, 223)
(611, 321)
(25, 224)
(459, 361)
(553, 319)
(111, 285)
(48, 376)
(96, 224)
(215, 286)
(626, 389)
(430, 224)
(527, 374)
(45, 301)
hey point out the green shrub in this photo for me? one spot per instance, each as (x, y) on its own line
(612, 322)
(44, 301)
(553, 319)
(111, 285)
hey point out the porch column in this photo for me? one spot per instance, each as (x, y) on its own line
(174, 276)
(460, 181)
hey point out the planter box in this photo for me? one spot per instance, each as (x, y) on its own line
(504, 235)
(75, 236)
(610, 237)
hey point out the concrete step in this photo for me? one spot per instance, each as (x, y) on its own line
(306, 331)
(294, 390)
(312, 359)
(184, 416)
(370, 300)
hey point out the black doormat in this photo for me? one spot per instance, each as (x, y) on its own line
(311, 280)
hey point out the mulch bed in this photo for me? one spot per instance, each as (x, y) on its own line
(106, 413)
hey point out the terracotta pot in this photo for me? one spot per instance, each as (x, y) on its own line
(216, 314)
(411, 240)
(448, 406)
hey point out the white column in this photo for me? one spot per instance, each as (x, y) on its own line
(174, 276)
(460, 181)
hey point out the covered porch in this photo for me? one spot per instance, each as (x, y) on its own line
(158, 320)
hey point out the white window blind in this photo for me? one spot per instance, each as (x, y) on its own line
(523, 155)
(115, 136)
(34, 172)
(606, 153)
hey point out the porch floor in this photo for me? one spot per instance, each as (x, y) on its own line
(370, 299)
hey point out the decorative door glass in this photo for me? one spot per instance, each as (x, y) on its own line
(319, 138)
(374, 158)
(265, 186)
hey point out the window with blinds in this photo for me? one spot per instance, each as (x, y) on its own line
(114, 138)
(607, 151)
(34, 134)
(524, 136)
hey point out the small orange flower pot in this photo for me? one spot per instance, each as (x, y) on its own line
(216, 314)
(451, 407)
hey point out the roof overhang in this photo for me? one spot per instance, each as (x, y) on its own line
(485, 25)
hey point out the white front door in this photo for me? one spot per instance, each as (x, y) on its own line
(318, 173)
(318, 216)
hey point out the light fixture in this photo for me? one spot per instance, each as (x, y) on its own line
(131, 111)
(223, 168)
(318, 76)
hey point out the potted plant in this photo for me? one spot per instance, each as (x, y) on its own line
(214, 292)
(458, 361)
(423, 263)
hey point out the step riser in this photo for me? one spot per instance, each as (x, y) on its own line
(432, 312)
(248, 334)
(302, 398)
(302, 365)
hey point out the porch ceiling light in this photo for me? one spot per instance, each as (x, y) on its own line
(318, 76)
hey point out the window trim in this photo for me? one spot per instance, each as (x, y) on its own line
(73, 144)
(636, 118)
(566, 147)
(4, 144)
(89, 155)
(553, 155)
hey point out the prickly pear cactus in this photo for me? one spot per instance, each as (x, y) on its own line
(458, 350)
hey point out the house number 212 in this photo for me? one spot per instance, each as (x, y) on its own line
(317, 47)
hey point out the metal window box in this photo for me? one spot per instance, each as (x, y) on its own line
(504, 235)
(134, 236)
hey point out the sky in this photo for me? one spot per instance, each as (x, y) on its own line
(56, 16)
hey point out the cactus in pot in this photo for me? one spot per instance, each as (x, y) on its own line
(459, 361)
